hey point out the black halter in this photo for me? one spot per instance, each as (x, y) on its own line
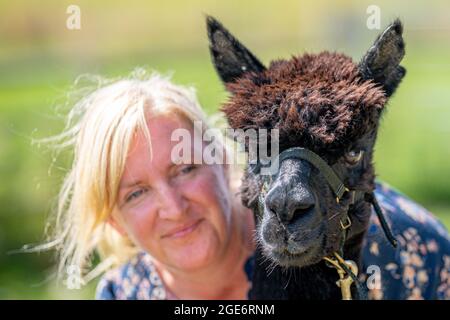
(340, 190)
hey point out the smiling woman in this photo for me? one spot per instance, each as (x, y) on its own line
(125, 197)
(179, 213)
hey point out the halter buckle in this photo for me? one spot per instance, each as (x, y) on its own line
(345, 190)
(346, 224)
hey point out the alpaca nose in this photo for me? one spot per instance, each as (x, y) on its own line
(290, 204)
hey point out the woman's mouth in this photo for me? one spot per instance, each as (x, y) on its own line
(183, 230)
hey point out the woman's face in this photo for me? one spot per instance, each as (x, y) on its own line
(179, 213)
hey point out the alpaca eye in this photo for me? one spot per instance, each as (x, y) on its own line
(354, 156)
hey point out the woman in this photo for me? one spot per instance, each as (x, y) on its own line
(164, 228)
(124, 192)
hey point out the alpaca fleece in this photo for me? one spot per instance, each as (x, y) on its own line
(318, 101)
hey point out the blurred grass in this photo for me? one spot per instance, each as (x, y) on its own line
(39, 64)
(28, 112)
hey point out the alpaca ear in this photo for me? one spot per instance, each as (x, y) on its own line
(382, 62)
(230, 58)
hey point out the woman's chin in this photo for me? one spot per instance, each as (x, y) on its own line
(194, 250)
(197, 254)
(194, 261)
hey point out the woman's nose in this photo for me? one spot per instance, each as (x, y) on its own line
(172, 203)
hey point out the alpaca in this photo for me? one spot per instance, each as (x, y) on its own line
(329, 105)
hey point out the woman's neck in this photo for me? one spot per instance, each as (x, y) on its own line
(221, 279)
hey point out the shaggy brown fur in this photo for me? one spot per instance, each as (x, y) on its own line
(318, 101)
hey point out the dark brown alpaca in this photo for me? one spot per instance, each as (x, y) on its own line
(332, 106)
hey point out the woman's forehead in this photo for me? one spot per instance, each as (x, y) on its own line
(163, 126)
(156, 148)
(159, 138)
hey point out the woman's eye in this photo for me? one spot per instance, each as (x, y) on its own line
(354, 156)
(134, 195)
(187, 169)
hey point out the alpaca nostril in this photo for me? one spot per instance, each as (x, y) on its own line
(275, 201)
(300, 204)
(273, 207)
(300, 210)
(303, 206)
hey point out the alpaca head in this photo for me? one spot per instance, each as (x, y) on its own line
(322, 102)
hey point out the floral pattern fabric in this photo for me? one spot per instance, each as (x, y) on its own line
(419, 268)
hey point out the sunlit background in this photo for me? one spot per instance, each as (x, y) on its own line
(40, 58)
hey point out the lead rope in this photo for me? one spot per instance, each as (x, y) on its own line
(347, 269)
(370, 197)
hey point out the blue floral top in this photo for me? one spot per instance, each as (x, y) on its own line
(419, 268)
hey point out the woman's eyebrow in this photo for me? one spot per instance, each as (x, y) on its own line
(132, 183)
(129, 184)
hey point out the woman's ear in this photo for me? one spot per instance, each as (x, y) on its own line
(116, 226)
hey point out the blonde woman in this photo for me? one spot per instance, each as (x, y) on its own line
(167, 229)
(126, 198)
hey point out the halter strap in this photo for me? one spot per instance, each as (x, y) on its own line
(333, 180)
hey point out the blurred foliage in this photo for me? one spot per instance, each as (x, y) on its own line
(40, 59)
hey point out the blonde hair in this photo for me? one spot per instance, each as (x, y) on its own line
(100, 129)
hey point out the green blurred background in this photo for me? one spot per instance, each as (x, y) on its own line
(40, 59)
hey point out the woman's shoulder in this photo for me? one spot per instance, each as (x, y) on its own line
(135, 280)
(405, 214)
(420, 265)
